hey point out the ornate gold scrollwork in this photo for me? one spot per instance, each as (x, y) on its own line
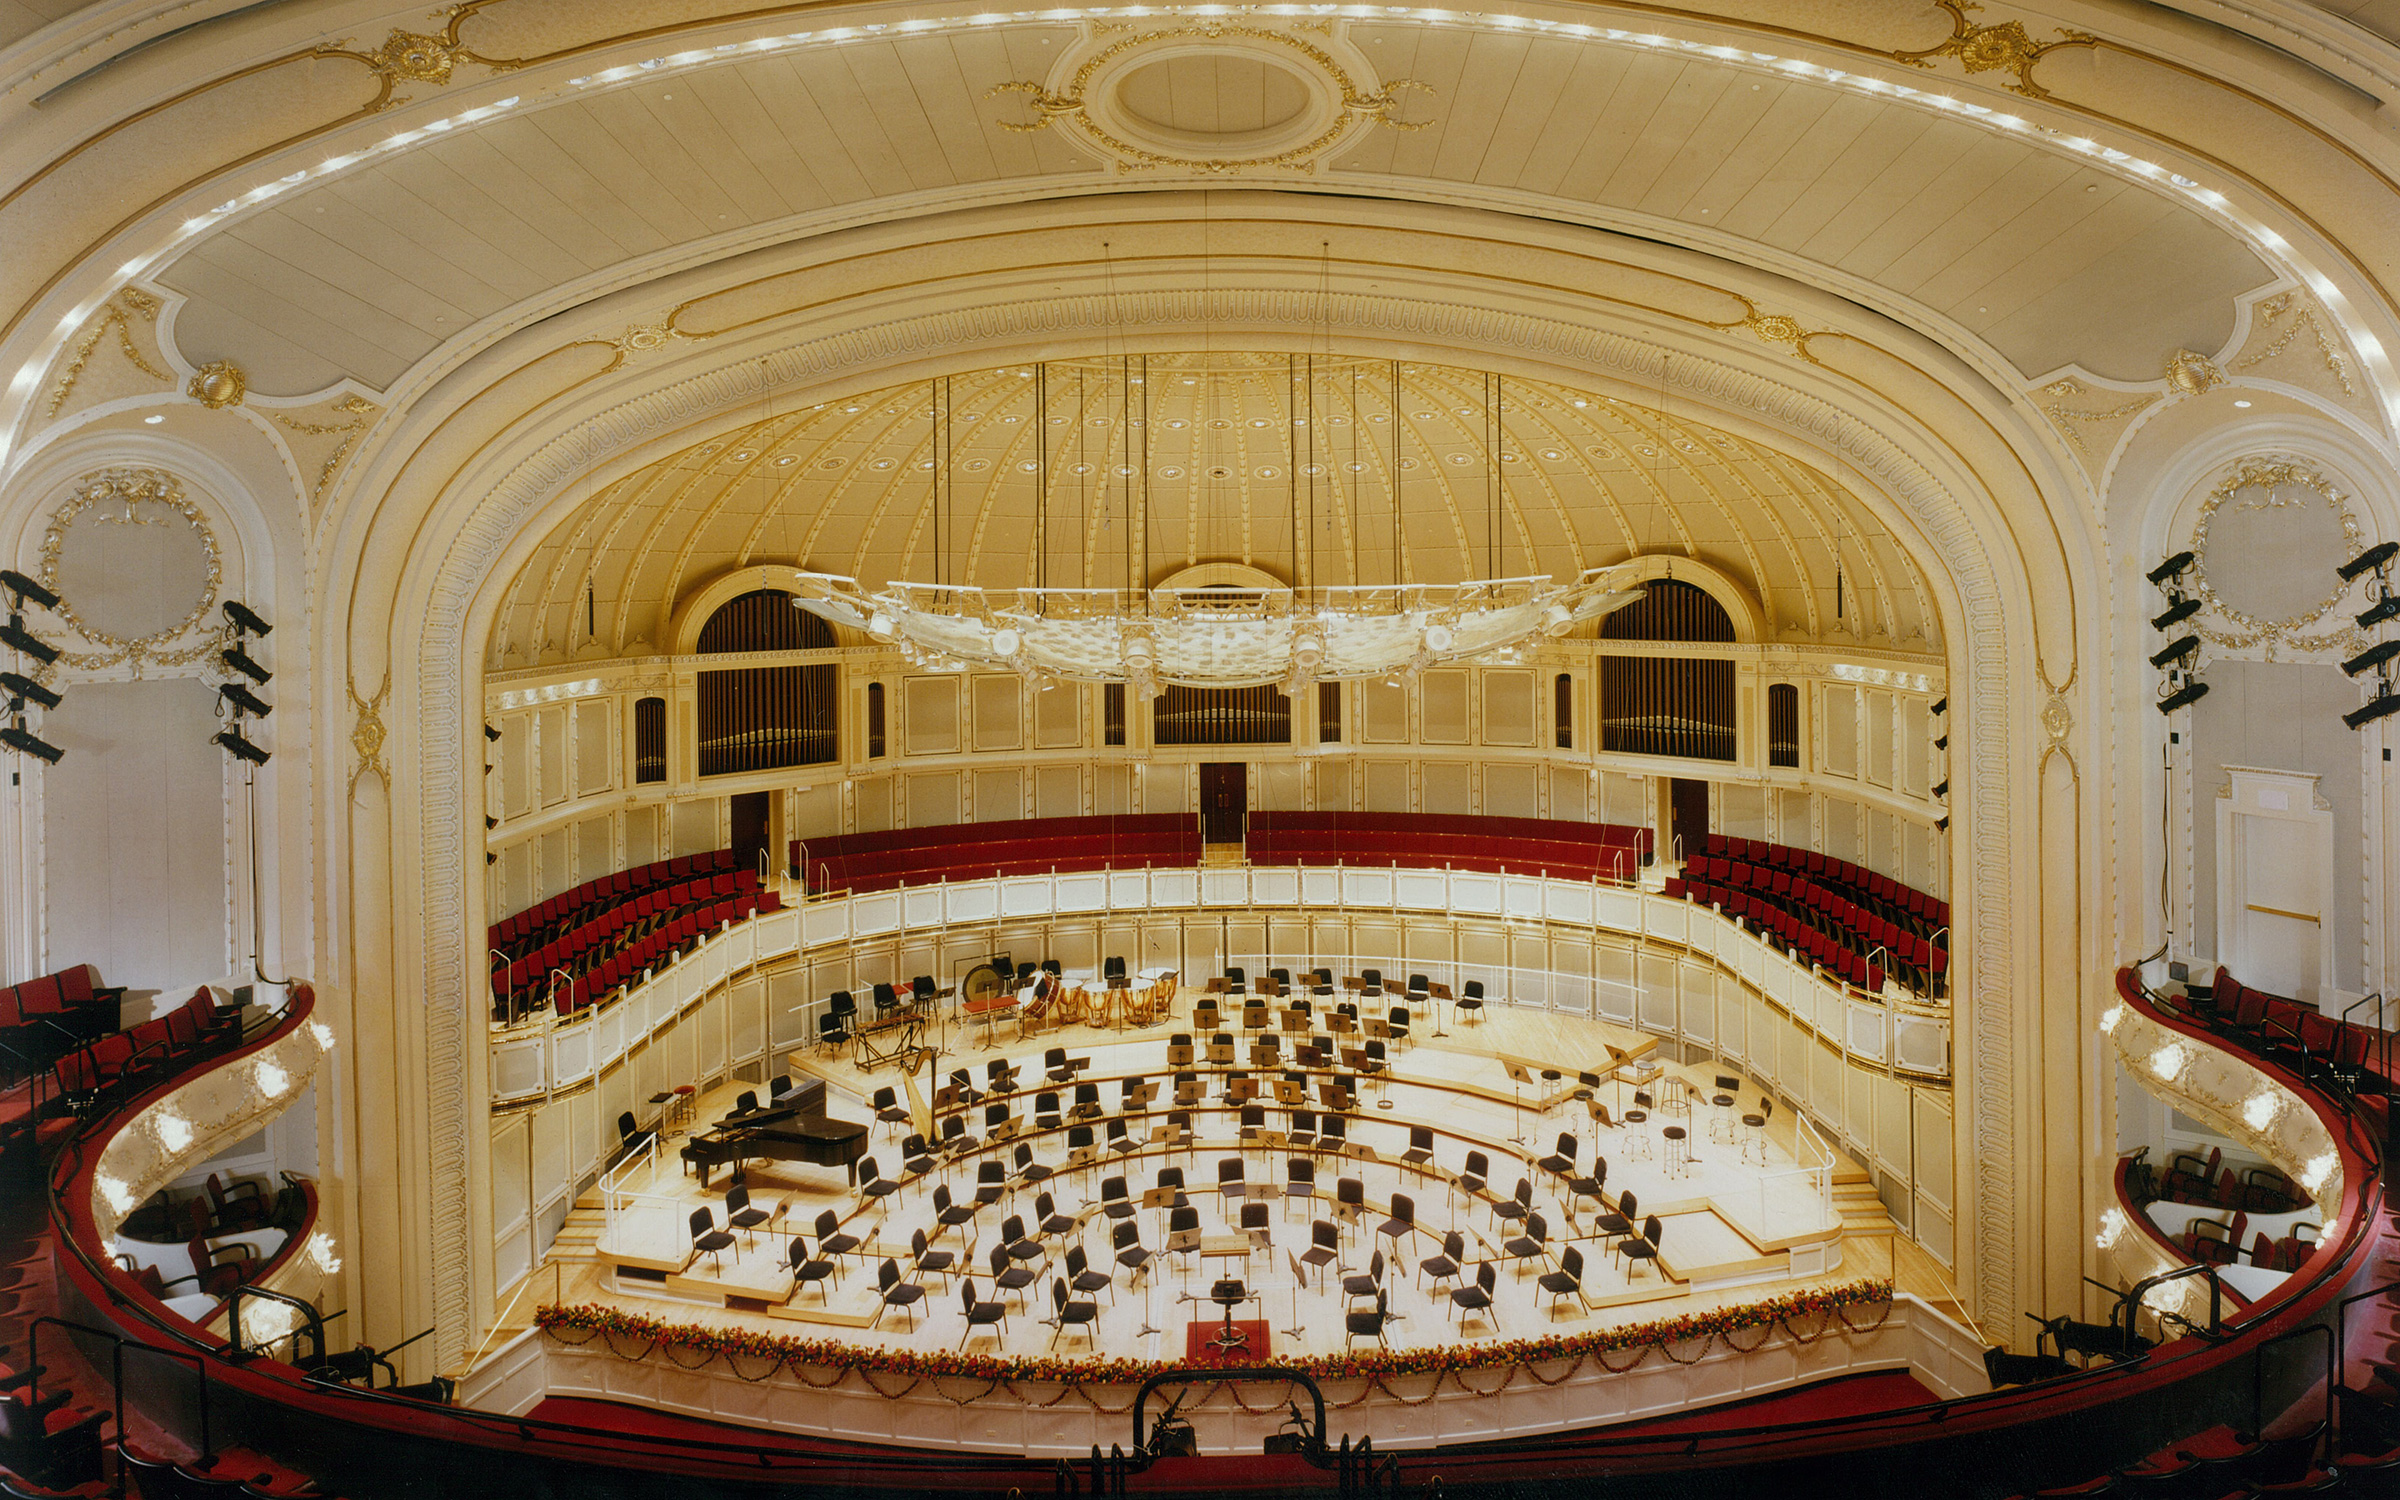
(2004, 45)
(129, 488)
(116, 315)
(2268, 476)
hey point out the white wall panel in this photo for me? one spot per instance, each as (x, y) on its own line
(929, 710)
(1510, 716)
(999, 795)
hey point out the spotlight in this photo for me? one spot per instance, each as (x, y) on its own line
(490, 822)
(2373, 656)
(244, 700)
(1943, 743)
(1941, 824)
(233, 741)
(238, 659)
(245, 619)
(2189, 693)
(19, 740)
(2181, 609)
(21, 686)
(1942, 788)
(490, 733)
(16, 636)
(1941, 705)
(2171, 569)
(2385, 608)
(2384, 702)
(2182, 650)
(25, 588)
(2373, 560)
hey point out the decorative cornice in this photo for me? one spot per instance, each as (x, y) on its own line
(512, 502)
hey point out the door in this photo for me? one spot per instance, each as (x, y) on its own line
(750, 813)
(1224, 801)
(1687, 803)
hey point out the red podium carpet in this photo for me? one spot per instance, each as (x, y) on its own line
(1199, 1350)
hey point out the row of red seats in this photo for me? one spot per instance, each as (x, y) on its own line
(979, 851)
(86, 1078)
(2210, 1183)
(668, 938)
(1934, 911)
(2217, 1244)
(2277, 1023)
(607, 891)
(1820, 948)
(587, 944)
(1455, 825)
(1910, 947)
(43, 1017)
(1521, 846)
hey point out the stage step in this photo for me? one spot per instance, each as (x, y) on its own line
(1222, 854)
(579, 1237)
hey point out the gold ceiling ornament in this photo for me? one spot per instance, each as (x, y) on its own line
(2067, 389)
(116, 315)
(649, 338)
(367, 733)
(127, 489)
(1080, 102)
(418, 57)
(218, 384)
(2189, 374)
(2003, 45)
(2057, 719)
(2271, 479)
(2295, 316)
(358, 409)
(1776, 328)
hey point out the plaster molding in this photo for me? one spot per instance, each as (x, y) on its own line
(517, 496)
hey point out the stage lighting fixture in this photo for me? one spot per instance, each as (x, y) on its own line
(1943, 743)
(490, 822)
(2189, 693)
(19, 740)
(21, 686)
(2376, 557)
(1942, 788)
(2374, 708)
(25, 588)
(2182, 650)
(2171, 569)
(239, 746)
(16, 636)
(238, 659)
(1941, 705)
(246, 619)
(490, 733)
(1941, 825)
(2373, 656)
(2181, 609)
(2384, 609)
(244, 700)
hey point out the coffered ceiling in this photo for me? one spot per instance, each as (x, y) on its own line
(1214, 454)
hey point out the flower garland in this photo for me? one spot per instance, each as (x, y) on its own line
(624, 1332)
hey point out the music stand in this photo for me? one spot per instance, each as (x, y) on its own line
(1519, 1076)
(1289, 1259)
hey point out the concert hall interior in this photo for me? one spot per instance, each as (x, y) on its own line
(875, 747)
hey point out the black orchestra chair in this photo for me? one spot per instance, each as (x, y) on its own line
(991, 1183)
(949, 1215)
(1402, 1222)
(1473, 1181)
(740, 1215)
(1300, 1184)
(708, 1239)
(1533, 1244)
(1183, 1233)
(833, 1030)
(1420, 1146)
(921, 990)
(1113, 1199)
(1066, 1314)
(1126, 1241)
(979, 1314)
(1020, 1245)
(1367, 1323)
(1008, 1275)
(1324, 1246)
(1367, 1283)
(1029, 1170)
(1514, 1208)
(896, 1293)
(817, 1269)
(1618, 1221)
(1303, 1133)
(887, 1106)
(1349, 1201)
(1476, 1299)
(927, 1261)
(1047, 1112)
(1230, 1183)
(1083, 1279)
(887, 1000)
(1087, 1103)
(1566, 1281)
(872, 1184)
(916, 1157)
(1445, 1266)
(1561, 1162)
(830, 1239)
(1254, 1225)
(1470, 1000)
(1642, 1247)
(1049, 1220)
(1112, 973)
(1055, 1066)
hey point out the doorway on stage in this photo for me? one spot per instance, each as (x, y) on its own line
(751, 833)
(1687, 812)
(1224, 801)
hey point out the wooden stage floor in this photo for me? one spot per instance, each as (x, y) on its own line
(1733, 1230)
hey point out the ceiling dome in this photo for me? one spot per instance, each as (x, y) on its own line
(1110, 471)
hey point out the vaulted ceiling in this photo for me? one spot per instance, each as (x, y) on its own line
(1281, 462)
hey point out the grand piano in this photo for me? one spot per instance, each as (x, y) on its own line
(794, 1128)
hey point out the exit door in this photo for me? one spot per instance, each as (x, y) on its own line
(1687, 806)
(1224, 801)
(750, 833)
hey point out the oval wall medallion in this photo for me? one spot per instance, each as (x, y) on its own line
(1215, 96)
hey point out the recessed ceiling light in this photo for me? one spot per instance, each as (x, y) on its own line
(745, 454)
(2237, 403)
(849, 408)
(155, 418)
(786, 461)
